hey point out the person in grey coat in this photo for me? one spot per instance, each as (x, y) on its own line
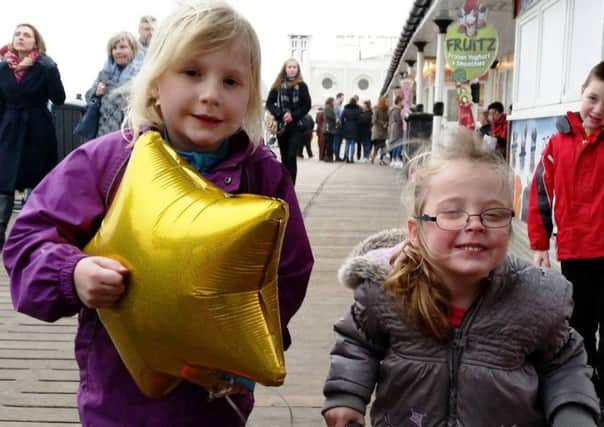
(447, 328)
(112, 84)
(379, 130)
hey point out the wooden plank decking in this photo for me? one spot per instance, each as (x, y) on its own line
(342, 204)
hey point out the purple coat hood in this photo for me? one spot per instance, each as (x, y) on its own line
(61, 216)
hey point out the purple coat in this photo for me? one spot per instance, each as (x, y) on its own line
(61, 216)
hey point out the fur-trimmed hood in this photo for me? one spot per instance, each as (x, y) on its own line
(515, 348)
(370, 259)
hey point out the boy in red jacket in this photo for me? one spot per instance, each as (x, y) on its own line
(571, 173)
(499, 126)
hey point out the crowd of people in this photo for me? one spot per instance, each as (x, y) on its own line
(445, 327)
(30, 80)
(368, 133)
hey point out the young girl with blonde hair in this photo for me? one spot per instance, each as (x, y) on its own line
(446, 327)
(199, 88)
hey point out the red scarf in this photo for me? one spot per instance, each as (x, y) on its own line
(20, 67)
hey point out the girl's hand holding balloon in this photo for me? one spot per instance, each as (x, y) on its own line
(99, 281)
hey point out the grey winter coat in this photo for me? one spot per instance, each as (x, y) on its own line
(113, 103)
(513, 361)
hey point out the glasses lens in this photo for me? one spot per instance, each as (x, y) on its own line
(452, 220)
(494, 218)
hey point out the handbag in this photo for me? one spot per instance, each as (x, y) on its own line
(88, 124)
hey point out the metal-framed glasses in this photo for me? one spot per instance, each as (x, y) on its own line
(458, 220)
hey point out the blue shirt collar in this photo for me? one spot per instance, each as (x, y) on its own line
(203, 162)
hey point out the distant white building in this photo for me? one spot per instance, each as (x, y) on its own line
(357, 67)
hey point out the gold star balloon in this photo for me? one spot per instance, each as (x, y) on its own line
(201, 295)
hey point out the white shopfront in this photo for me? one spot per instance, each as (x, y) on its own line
(547, 48)
(557, 42)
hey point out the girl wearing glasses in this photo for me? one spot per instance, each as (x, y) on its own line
(446, 327)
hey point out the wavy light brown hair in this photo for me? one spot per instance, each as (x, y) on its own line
(420, 293)
(382, 103)
(40, 45)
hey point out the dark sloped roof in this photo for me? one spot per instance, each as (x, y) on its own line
(418, 11)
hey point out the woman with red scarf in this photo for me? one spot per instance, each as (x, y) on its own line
(28, 149)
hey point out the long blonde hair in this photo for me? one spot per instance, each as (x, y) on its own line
(415, 284)
(283, 73)
(194, 25)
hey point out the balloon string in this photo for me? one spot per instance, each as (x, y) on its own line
(238, 412)
(236, 409)
(289, 408)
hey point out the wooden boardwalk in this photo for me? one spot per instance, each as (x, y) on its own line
(342, 204)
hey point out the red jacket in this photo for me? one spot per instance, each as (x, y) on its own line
(499, 128)
(571, 173)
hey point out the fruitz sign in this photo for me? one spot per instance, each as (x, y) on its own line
(471, 44)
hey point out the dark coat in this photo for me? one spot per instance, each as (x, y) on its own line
(28, 148)
(365, 125)
(298, 109)
(329, 125)
(350, 121)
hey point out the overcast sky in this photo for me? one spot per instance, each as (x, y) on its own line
(76, 31)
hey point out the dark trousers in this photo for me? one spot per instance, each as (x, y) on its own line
(337, 143)
(289, 142)
(321, 142)
(328, 156)
(306, 140)
(6, 209)
(587, 277)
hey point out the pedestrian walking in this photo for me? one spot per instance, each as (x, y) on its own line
(308, 125)
(329, 128)
(111, 87)
(498, 126)
(289, 101)
(337, 137)
(365, 119)
(395, 133)
(447, 327)
(319, 120)
(571, 172)
(146, 26)
(200, 88)
(29, 79)
(379, 130)
(350, 128)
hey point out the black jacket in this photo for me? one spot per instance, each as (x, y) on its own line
(350, 121)
(298, 110)
(28, 148)
(365, 125)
